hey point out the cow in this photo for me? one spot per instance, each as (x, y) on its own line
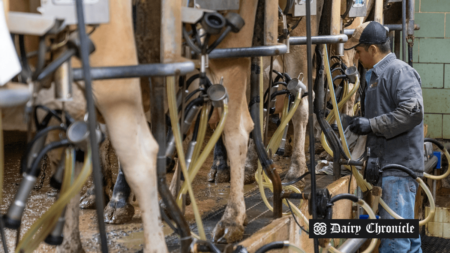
(120, 105)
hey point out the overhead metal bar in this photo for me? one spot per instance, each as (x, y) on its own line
(220, 53)
(141, 70)
(391, 27)
(325, 39)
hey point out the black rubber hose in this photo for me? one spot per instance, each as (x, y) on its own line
(198, 102)
(339, 77)
(296, 180)
(349, 6)
(340, 69)
(279, 75)
(219, 40)
(399, 167)
(54, 65)
(410, 55)
(50, 113)
(26, 70)
(96, 168)
(287, 77)
(435, 142)
(288, 7)
(34, 169)
(342, 196)
(168, 221)
(190, 42)
(40, 134)
(272, 246)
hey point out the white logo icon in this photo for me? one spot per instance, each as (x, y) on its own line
(320, 228)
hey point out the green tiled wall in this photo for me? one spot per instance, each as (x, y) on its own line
(432, 61)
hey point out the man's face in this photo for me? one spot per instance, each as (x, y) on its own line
(365, 57)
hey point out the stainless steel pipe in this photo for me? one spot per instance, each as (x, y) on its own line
(325, 39)
(391, 27)
(352, 245)
(248, 51)
(141, 70)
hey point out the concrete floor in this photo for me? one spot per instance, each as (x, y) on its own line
(122, 238)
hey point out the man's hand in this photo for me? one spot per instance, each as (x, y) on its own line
(360, 126)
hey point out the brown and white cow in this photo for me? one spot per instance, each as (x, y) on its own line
(120, 104)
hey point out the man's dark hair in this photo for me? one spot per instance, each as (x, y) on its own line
(384, 48)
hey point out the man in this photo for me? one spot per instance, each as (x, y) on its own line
(393, 123)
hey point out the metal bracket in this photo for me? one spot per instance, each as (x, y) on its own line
(96, 11)
(299, 8)
(192, 15)
(248, 51)
(358, 9)
(218, 5)
(31, 23)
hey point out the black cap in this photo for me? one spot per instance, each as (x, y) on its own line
(369, 33)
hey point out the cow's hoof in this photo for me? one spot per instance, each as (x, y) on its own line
(87, 201)
(118, 215)
(219, 172)
(227, 232)
(249, 175)
(223, 175)
(212, 174)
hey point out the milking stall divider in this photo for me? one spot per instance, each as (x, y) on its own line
(215, 95)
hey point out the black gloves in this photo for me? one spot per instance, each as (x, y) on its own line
(360, 126)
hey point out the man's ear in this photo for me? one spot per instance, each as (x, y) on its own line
(373, 49)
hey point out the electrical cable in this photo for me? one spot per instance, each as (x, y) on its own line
(295, 219)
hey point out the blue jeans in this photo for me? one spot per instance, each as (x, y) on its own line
(399, 193)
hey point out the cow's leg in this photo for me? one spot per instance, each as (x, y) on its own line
(136, 149)
(251, 163)
(220, 171)
(118, 210)
(298, 160)
(71, 232)
(236, 133)
(87, 201)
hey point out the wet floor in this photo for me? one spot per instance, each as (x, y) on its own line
(127, 237)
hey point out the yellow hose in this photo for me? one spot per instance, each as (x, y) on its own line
(445, 175)
(266, 182)
(430, 198)
(48, 227)
(363, 184)
(201, 131)
(208, 148)
(371, 214)
(171, 97)
(56, 209)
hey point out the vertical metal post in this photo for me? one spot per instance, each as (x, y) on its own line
(92, 120)
(397, 39)
(391, 40)
(411, 7)
(310, 117)
(404, 30)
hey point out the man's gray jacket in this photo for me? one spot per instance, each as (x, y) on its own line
(394, 107)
